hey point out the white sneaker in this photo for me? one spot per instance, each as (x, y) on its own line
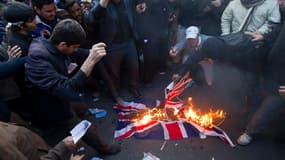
(244, 139)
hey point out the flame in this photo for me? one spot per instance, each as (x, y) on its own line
(146, 119)
(187, 113)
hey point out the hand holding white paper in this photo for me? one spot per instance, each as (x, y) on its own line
(79, 130)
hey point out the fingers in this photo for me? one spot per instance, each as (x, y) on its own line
(255, 36)
(99, 48)
(98, 51)
(100, 44)
(14, 52)
(76, 157)
(249, 33)
(140, 8)
(176, 78)
(104, 3)
(255, 39)
(282, 87)
(173, 52)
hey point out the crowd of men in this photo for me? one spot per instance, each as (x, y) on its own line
(54, 53)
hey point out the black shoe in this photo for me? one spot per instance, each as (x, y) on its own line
(110, 150)
(135, 92)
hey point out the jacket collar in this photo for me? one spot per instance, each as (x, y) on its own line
(251, 3)
(51, 47)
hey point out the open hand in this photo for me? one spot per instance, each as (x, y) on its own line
(14, 52)
(255, 36)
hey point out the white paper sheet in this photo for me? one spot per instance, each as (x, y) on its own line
(79, 130)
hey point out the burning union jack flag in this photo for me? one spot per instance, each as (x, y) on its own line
(148, 121)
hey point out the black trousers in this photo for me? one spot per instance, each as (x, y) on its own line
(155, 52)
(123, 55)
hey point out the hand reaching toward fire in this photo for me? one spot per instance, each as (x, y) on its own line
(173, 51)
(176, 77)
(255, 36)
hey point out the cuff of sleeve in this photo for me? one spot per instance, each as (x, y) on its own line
(80, 76)
(62, 148)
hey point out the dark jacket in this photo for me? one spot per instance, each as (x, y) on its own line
(106, 19)
(9, 68)
(21, 40)
(9, 88)
(274, 72)
(47, 69)
(154, 22)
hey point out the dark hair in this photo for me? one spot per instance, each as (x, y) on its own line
(40, 3)
(68, 4)
(18, 12)
(69, 31)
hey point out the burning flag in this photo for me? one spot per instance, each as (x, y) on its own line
(173, 120)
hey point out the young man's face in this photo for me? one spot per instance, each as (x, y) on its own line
(31, 26)
(193, 42)
(86, 5)
(76, 12)
(47, 12)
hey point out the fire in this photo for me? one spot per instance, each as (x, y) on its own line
(186, 113)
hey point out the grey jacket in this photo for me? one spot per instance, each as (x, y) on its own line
(262, 20)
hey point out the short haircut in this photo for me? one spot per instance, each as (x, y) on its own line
(69, 4)
(69, 31)
(40, 3)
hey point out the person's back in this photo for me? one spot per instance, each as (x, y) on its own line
(20, 143)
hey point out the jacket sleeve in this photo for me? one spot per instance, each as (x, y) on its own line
(180, 45)
(97, 13)
(191, 60)
(226, 19)
(8, 68)
(273, 18)
(10, 151)
(43, 75)
(59, 152)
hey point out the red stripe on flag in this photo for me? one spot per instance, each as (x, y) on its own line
(144, 126)
(174, 131)
(126, 135)
(125, 108)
